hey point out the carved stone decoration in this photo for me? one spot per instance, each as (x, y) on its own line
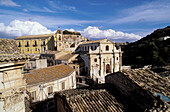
(12, 100)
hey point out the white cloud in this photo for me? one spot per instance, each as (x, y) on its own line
(19, 28)
(71, 29)
(95, 32)
(8, 3)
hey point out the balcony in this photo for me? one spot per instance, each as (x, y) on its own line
(26, 45)
(35, 45)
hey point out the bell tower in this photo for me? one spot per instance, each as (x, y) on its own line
(58, 40)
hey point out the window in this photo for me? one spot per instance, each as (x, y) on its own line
(117, 58)
(43, 42)
(19, 44)
(59, 37)
(95, 60)
(27, 45)
(107, 68)
(33, 96)
(35, 43)
(95, 47)
(63, 85)
(59, 44)
(50, 90)
(35, 49)
(74, 67)
(27, 49)
(92, 47)
(107, 48)
(44, 48)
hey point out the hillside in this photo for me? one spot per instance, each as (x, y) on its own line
(150, 50)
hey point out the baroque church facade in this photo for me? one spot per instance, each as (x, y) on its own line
(101, 57)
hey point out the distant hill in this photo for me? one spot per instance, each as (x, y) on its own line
(150, 50)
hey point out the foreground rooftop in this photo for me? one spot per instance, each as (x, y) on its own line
(83, 100)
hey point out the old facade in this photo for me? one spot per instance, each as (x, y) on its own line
(101, 57)
(36, 44)
(12, 82)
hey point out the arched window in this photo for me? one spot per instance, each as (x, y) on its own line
(117, 58)
(107, 48)
(59, 37)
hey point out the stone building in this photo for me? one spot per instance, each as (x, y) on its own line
(12, 82)
(41, 83)
(100, 57)
(61, 57)
(34, 63)
(36, 44)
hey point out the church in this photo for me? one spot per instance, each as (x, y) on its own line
(100, 57)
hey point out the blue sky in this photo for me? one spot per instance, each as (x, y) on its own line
(119, 20)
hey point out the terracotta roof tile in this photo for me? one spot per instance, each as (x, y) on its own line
(149, 80)
(10, 52)
(48, 74)
(82, 100)
(65, 57)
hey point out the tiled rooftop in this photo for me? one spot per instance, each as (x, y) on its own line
(149, 80)
(82, 100)
(48, 74)
(65, 57)
(94, 41)
(9, 51)
(51, 52)
(34, 36)
(8, 46)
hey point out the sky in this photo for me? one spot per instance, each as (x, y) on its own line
(117, 20)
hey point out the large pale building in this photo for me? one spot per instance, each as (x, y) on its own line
(101, 57)
(36, 44)
(12, 82)
(41, 83)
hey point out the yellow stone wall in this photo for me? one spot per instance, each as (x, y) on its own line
(32, 49)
